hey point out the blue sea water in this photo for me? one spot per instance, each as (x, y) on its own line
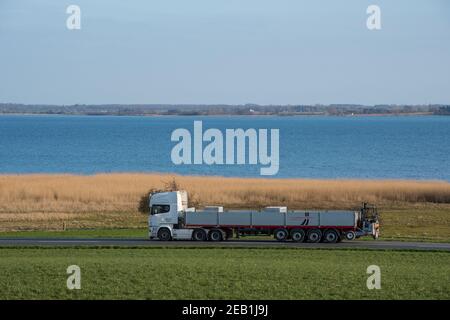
(410, 147)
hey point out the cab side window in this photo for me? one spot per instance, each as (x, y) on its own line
(160, 208)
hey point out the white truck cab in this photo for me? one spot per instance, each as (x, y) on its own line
(166, 212)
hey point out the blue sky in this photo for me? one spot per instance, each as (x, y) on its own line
(225, 51)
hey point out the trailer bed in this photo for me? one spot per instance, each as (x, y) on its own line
(271, 219)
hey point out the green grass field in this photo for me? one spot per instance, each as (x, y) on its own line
(175, 273)
(80, 233)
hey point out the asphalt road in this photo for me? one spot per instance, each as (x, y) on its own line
(64, 242)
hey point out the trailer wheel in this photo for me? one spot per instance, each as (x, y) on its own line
(280, 234)
(199, 235)
(215, 235)
(298, 235)
(350, 235)
(331, 236)
(164, 234)
(314, 235)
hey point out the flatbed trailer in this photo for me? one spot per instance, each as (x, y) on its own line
(171, 219)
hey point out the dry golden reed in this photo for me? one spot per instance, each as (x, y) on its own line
(122, 192)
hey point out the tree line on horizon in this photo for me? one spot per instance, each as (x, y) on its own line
(221, 109)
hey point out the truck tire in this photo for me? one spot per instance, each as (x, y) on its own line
(298, 235)
(199, 235)
(164, 234)
(350, 235)
(314, 235)
(215, 235)
(280, 234)
(331, 236)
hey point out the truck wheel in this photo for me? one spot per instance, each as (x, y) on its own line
(280, 234)
(331, 236)
(215, 235)
(314, 235)
(350, 235)
(298, 235)
(199, 235)
(164, 234)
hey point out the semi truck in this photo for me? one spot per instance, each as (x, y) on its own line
(171, 219)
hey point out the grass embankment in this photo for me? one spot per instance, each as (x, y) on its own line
(121, 233)
(409, 209)
(169, 273)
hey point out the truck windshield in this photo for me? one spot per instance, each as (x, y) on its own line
(160, 208)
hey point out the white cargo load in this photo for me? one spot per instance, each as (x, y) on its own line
(275, 209)
(213, 209)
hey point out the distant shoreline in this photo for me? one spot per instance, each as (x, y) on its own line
(224, 110)
(229, 115)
